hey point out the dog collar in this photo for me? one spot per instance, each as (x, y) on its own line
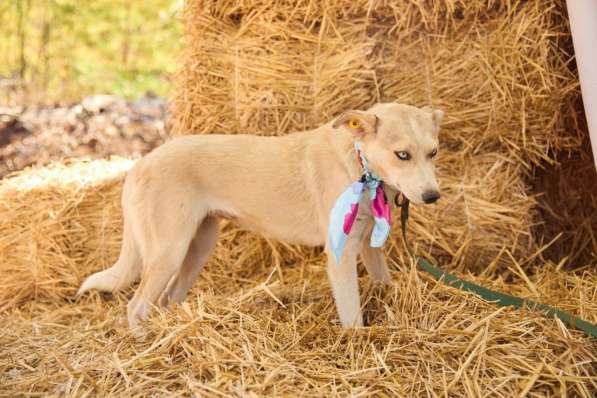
(346, 208)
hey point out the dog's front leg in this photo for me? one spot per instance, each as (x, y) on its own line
(375, 263)
(345, 287)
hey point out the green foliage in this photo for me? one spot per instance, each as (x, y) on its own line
(62, 50)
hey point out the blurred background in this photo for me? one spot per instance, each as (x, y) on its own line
(84, 78)
(58, 51)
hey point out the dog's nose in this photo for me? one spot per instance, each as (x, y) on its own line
(430, 196)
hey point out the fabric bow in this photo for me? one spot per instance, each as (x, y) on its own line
(346, 208)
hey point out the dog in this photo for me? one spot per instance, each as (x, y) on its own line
(283, 187)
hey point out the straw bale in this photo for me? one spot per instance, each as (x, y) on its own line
(499, 69)
(57, 224)
(503, 71)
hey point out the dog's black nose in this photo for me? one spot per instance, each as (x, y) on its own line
(430, 196)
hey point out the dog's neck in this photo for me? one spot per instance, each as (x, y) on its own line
(344, 147)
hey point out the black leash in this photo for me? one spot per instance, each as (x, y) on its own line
(501, 299)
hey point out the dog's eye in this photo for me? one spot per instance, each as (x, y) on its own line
(403, 155)
(433, 153)
(354, 124)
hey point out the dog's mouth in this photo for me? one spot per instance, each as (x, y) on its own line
(401, 195)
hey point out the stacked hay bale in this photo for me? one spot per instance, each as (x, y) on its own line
(499, 70)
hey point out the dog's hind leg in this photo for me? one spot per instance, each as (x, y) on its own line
(200, 250)
(122, 274)
(164, 241)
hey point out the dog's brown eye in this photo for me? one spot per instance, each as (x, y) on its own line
(403, 155)
(433, 153)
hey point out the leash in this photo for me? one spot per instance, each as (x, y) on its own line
(501, 299)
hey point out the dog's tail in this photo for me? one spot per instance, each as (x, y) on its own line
(122, 274)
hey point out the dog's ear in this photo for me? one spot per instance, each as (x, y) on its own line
(357, 122)
(437, 115)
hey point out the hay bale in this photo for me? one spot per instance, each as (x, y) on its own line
(499, 69)
(503, 71)
(57, 225)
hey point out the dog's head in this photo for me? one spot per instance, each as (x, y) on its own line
(400, 144)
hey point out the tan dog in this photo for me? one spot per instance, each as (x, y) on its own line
(283, 187)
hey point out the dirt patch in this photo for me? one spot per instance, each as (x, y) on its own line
(98, 127)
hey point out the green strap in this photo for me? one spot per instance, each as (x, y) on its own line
(500, 299)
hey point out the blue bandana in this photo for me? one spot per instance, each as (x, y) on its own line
(345, 210)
